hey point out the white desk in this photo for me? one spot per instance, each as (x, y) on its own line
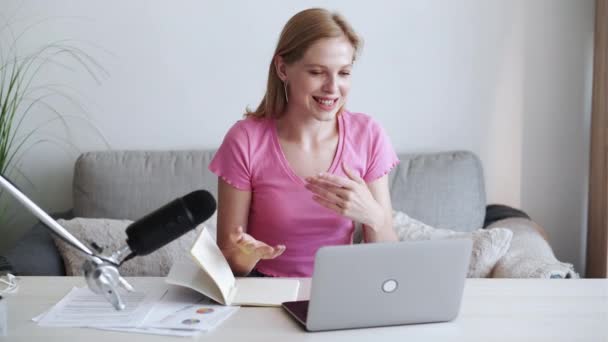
(492, 310)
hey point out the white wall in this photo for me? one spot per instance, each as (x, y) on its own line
(508, 80)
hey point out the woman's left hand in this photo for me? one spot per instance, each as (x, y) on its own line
(349, 197)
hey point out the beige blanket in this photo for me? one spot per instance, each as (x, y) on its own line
(530, 255)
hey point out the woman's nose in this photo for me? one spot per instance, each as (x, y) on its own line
(330, 85)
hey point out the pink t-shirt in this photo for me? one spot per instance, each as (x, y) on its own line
(282, 210)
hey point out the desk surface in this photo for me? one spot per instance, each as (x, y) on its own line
(492, 309)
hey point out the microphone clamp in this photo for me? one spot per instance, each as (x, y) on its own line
(102, 276)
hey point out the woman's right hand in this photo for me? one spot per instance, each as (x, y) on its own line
(255, 248)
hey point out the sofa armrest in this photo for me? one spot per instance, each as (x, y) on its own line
(35, 254)
(530, 255)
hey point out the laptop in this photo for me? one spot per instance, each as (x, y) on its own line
(382, 284)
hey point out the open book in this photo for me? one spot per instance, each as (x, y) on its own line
(209, 273)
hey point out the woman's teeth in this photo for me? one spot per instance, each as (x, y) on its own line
(325, 102)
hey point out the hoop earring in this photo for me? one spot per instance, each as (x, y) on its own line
(285, 89)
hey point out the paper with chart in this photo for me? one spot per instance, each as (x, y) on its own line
(179, 312)
(182, 308)
(210, 274)
(83, 308)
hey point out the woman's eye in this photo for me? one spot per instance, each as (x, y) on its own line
(345, 73)
(314, 72)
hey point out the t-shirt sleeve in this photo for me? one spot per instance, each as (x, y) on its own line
(381, 157)
(231, 161)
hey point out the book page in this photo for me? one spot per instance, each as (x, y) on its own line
(208, 256)
(189, 274)
(265, 291)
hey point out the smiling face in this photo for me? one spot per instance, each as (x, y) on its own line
(318, 83)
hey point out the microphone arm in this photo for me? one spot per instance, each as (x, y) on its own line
(100, 271)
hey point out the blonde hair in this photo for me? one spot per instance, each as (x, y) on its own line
(300, 32)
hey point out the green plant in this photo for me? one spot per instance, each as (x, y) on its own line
(22, 98)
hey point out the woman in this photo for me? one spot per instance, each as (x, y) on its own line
(297, 172)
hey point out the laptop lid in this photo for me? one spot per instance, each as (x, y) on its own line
(383, 284)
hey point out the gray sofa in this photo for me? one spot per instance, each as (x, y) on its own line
(444, 190)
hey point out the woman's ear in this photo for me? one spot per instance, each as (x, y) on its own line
(280, 67)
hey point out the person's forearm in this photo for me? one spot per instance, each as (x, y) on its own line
(382, 231)
(240, 262)
(384, 235)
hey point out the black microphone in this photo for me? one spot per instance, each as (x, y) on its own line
(169, 222)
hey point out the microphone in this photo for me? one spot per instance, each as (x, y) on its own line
(167, 223)
(143, 237)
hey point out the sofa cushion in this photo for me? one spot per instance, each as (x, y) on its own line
(489, 245)
(110, 235)
(530, 255)
(35, 254)
(444, 190)
(131, 184)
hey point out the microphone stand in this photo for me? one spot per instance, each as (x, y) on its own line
(100, 271)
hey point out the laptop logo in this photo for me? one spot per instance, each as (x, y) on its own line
(390, 286)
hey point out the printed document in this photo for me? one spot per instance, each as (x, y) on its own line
(83, 308)
(179, 312)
